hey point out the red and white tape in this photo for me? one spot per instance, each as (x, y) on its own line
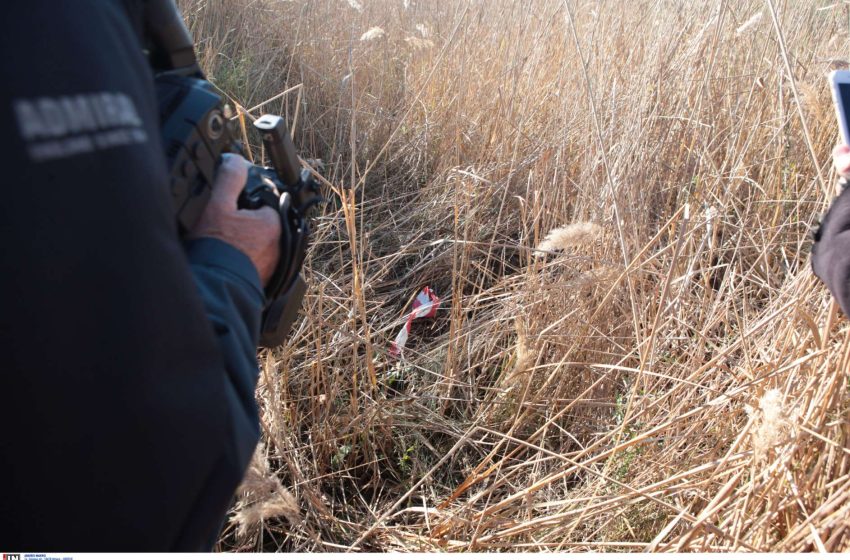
(424, 306)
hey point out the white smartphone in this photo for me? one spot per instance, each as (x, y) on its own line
(839, 81)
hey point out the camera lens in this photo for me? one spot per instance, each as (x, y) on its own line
(215, 125)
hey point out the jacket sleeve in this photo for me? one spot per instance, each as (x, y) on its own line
(831, 250)
(230, 288)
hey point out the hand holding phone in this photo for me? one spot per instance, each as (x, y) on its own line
(841, 159)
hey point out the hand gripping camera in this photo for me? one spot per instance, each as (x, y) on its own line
(197, 130)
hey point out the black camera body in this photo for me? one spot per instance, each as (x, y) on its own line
(196, 130)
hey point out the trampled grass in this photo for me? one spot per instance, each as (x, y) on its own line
(667, 375)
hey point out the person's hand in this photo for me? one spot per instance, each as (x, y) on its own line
(841, 160)
(254, 232)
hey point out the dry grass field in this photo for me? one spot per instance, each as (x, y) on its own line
(614, 201)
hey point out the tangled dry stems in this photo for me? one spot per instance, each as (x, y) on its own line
(673, 379)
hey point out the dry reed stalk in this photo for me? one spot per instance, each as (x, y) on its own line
(595, 397)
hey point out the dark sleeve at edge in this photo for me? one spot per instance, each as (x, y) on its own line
(233, 297)
(831, 251)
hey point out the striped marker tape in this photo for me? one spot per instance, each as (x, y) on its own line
(424, 306)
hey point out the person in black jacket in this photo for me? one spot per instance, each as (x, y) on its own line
(128, 357)
(831, 251)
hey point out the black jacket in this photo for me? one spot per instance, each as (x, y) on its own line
(831, 251)
(128, 360)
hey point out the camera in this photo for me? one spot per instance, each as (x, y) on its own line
(197, 128)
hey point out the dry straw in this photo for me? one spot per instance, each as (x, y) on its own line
(419, 43)
(772, 424)
(262, 497)
(750, 23)
(372, 34)
(572, 235)
(592, 400)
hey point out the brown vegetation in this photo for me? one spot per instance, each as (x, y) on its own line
(667, 376)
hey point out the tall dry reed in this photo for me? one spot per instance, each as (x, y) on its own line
(668, 376)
